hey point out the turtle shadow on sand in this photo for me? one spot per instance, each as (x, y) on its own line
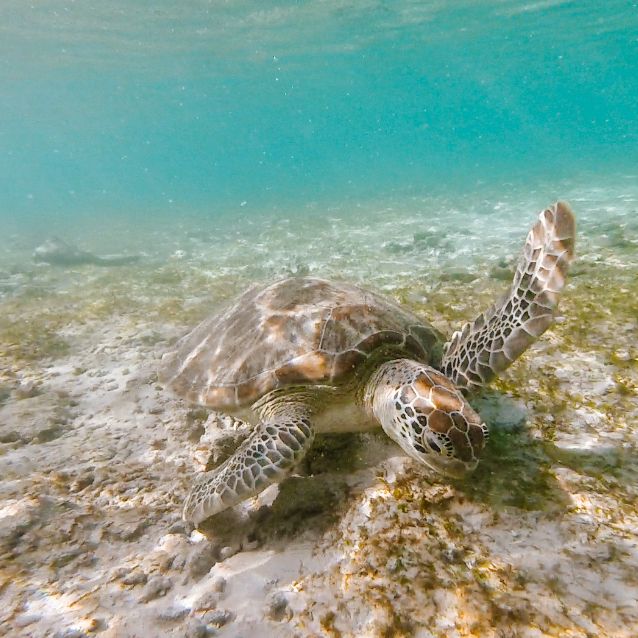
(308, 501)
(517, 468)
(57, 252)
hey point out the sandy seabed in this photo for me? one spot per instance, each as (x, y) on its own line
(96, 457)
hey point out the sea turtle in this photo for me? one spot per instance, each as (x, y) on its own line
(306, 355)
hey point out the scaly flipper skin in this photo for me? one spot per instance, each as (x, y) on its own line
(276, 445)
(488, 345)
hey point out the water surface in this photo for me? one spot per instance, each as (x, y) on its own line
(164, 109)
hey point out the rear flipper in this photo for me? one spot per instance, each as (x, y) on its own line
(489, 344)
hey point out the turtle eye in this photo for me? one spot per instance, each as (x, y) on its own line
(434, 446)
(440, 443)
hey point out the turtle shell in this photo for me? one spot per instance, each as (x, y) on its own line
(297, 331)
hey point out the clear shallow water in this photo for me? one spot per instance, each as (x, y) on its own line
(166, 109)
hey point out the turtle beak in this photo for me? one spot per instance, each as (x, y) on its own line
(454, 468)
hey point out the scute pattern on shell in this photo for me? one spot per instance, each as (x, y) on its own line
(295, 331)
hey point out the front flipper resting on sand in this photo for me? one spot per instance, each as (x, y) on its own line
(276, 445)
(57, 252)
(489, 344)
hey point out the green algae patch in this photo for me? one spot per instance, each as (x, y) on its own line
(516, 472)
(31, 340)
(40, 322)
(334, 453)
(167, 276)
(601, 311)
(596, 464)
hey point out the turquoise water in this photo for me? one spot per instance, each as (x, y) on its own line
(168, 108)
(405, 145)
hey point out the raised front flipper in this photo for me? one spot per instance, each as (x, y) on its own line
(265, 457)
(489, 344)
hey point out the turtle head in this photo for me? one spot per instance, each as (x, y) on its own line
(424, 412)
